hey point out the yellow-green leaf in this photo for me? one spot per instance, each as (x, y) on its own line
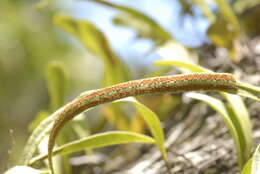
(237, 111)
(253, 164)
(240, 118)
(220, 107)
(37, 136)
(228, 14)
(152, 122)
(57, 81)
(222, 35)
(97, 141)
(248, 167)
(251, 90)
(97, 44)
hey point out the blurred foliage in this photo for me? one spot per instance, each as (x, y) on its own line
(96, 43)
(30, 42)
(144, 25)
(57, 82)
(27, 42)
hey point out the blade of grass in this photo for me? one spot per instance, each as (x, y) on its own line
(56, 81)
(152, 121)
(97, 44)
(37, 136)
(221, 108)
(251, 89)
(240, 118)
(237, 112)
(248, 167)
(253, 164)
(97, 141)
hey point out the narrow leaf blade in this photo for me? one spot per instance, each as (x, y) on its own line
(220, 107)
(152, 121)
(97, 141)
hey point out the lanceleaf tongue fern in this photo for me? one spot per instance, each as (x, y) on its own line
(174, 84)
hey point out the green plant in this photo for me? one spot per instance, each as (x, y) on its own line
(233, 109)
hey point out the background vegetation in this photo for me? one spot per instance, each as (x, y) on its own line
(51, 51)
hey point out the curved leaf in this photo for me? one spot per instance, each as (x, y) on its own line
(220, 107)
(252, 90)
(253, 164)
(152, 121)
(37, 136)
(97, 141)
(56, 80)
(97, 44)
(237, 111)
(248, 167)
(239, 115)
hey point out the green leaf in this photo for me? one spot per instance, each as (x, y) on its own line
(43, 4)
(181, 64)
(24, 169)
(152, 121)
(144, 25)
(97, 44)
(57, 81)
(97, 141)
(228, 14)
(222, 35)
(38, 134)
(92, 38)
(248, 95)
(251, 90)
(221, 108)
(240, 118)
(253, 164)
(248, 167)
(226, 30)
(36, 137)
(186, 7)
(241, 6)
(237, 112)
